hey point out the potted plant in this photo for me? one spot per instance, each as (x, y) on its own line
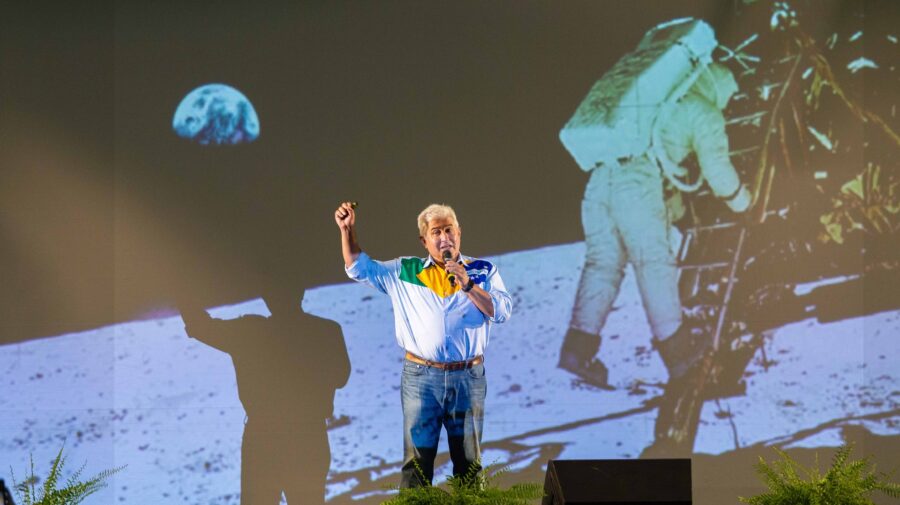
(478, 487)
(31, 492)
(845, 483)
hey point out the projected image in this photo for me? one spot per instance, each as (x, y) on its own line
(662, 145)
(668, 96)
(728, 188)
(216, 114)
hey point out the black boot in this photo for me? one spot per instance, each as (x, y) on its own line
(577, 356)
(684, 350)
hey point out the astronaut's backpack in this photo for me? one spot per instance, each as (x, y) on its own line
(616, 119)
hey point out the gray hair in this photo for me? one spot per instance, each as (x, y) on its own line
(435, 211)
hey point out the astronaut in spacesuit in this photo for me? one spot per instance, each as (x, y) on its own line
(625, 219)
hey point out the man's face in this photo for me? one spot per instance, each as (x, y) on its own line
(441, 235)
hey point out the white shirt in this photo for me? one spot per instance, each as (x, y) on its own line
(432, 319)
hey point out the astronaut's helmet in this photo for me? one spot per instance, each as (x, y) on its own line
(716, 83)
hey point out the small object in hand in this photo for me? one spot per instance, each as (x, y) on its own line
(448, 257)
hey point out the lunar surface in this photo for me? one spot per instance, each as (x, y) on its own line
(216, 114)
(144, 394)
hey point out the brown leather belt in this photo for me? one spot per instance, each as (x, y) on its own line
(450, 366)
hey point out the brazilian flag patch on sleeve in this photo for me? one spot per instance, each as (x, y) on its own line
(409, 271)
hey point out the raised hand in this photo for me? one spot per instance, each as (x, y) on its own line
(345, 216)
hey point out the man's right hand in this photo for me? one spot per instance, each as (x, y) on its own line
(345, 216)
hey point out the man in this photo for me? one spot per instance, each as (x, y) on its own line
(625, 219)
(444, 308)
(288, 367)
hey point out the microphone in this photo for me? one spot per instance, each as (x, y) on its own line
(449, 257)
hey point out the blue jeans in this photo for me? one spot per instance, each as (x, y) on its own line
(432, 398)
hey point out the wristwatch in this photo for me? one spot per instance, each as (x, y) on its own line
(468, 286)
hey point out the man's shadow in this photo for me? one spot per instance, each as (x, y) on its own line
(288, 367)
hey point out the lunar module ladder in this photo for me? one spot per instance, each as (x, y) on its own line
(679, 409)
(696, 266)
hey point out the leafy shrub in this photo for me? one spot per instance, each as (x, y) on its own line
(477, 487)
(845, 483)
(74, 492)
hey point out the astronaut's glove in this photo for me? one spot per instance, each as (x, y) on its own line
(740, 200)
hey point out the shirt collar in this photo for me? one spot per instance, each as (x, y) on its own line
(430, 261)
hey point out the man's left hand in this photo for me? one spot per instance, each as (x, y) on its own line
(453, 267)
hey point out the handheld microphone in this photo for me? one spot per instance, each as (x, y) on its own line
(449, 257)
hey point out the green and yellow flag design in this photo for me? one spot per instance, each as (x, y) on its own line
(413, 271)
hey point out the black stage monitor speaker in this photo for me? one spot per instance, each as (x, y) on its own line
(618, 482)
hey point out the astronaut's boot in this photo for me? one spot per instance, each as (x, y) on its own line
(683, 350)
(577, 356)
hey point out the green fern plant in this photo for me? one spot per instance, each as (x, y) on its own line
(845, 483)
(74, 491)
(477, 487)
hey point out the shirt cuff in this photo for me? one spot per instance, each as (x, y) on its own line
(501, 309)
(356, 269)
